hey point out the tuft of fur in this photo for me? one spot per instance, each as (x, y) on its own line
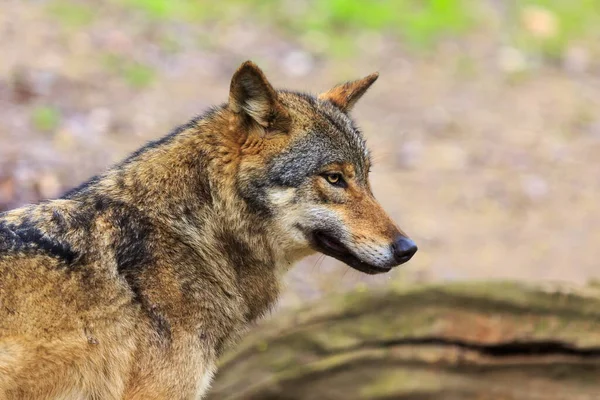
(131, 285)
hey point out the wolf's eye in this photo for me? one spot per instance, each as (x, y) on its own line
(335, 179)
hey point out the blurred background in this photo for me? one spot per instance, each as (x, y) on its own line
(484, 123)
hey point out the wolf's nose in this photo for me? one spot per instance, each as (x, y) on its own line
(403, 248)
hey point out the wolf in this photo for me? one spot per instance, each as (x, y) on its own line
(131, 285)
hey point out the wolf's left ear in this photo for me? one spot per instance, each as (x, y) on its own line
(252, 94)
(344, 96)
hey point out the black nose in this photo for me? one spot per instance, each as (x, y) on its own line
(403, 248)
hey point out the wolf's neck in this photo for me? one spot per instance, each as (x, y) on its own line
(178, 185)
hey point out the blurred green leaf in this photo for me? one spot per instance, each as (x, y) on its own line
(45, 118)
(71, 14)
(176, 9)
(136, 74)
(420, 23)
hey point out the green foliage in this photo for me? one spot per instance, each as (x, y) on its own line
(189, 10)
(71, 14)
(45, 118)
(138, 75)
(335, 25)
(418, 22)
(134, 73)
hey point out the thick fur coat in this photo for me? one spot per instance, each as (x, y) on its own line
(133, 284)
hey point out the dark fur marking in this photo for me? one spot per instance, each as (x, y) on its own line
(58, 219)
(238, 252)
(131, 243)
(27, 236)
(133, 256)
(81, 220)
(120, 183)
(161, 325)
(255, 196)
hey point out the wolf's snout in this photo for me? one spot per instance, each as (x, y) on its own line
(403, 249)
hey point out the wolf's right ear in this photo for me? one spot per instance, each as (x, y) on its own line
(252, 94)
(344, 96)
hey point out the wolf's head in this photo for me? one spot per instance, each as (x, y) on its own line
(304, 166)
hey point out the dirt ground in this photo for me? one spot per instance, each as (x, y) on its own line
(489, 159)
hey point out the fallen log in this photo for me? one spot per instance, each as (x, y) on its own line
(496, 341)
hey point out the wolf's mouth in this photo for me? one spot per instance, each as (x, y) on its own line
(329, 245)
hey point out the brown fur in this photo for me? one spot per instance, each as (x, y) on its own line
(132, 285)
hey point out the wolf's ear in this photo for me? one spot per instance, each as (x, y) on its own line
(344, 96)
(252, 94)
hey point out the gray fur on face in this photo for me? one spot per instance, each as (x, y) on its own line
(332, 138)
